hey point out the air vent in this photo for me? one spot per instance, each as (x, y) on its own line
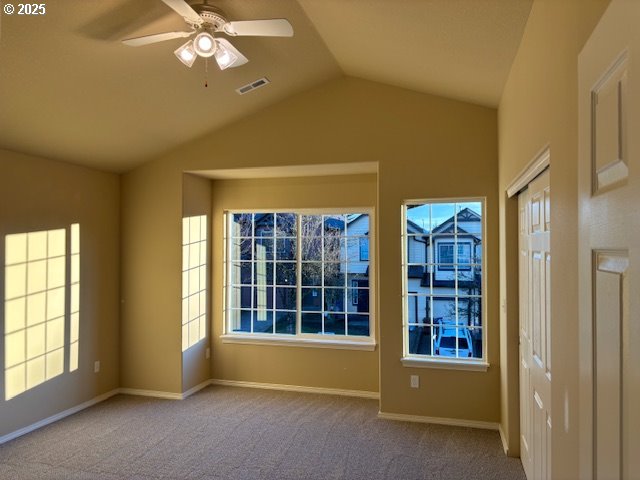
(261, 82)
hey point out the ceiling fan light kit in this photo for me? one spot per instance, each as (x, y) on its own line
(187, 54)
(205, 20)
(204, 44)
(225, 57)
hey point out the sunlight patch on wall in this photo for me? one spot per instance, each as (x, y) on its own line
(35, 294)
(74, 301)
(194, 280)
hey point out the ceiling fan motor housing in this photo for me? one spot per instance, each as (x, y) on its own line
(212, 17)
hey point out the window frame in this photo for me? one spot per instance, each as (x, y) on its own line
(351, 342)
(431, 361)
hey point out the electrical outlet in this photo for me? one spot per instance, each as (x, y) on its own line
(207, 354)
(96, 366)
(415, 381)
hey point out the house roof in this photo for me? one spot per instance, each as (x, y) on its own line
(413, 227)
(69, 82)
(464, 215)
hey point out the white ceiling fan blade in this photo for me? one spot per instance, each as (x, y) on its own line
(260, 28)
(184, 9)
(158, 37)
(227, 55)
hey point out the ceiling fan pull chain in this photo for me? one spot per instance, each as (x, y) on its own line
(206, 72)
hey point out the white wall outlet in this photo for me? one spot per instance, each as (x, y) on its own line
(96, 366)
(207, 353)
(415, 381)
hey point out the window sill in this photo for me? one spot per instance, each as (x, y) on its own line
(445, 364)
(282, 341)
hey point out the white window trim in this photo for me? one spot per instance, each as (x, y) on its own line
(428, 361)
(447, 364)
(348, 343)
(343, 342)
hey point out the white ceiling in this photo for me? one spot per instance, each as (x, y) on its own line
(69, 90)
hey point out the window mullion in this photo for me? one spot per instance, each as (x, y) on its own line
(253, 268)
(346, 271)
(431, 253)
(229, 275)
(455, 275)
(298, 274)
(275, 266)
(322, 273)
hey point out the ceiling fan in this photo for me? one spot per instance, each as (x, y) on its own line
(204, 20)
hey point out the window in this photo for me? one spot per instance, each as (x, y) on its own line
(443, 289)
(446, 258)
(354, 298)
(298, 275)
(194, 280)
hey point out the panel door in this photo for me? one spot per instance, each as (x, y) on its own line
(609, 268)
(535, 328)
(525, 335)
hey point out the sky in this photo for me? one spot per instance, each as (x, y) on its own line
(440, 212)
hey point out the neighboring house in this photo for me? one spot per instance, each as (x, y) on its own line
(357, 266)
(433, 268)
(351, 249)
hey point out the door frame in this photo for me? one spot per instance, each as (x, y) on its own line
(510, 337)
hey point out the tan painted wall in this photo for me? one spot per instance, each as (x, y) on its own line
(426, 147)
(38, 194)
(150, 341)
(317, 367)
(196, 200)
(539, 107)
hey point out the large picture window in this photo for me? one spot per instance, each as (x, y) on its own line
(298, 274)
(443, 280)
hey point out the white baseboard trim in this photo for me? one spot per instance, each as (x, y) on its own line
(195, 389)
(58, 416)
(165, 395)
(455, 422)
(298, 388)
(151, 393)
(503, 437)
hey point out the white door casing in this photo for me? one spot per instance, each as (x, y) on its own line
(535, 327)
(524, 334)
(609, 246)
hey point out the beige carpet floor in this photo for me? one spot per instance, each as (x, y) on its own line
(241, 433)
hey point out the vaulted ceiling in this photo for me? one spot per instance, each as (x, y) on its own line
(70, 90)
